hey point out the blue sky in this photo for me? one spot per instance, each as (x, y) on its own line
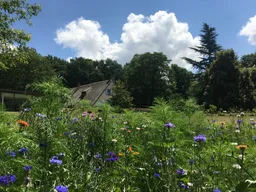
(228, 16)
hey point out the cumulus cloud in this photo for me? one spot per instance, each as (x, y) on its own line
(68, 59)
(249, 30)
(161, 32)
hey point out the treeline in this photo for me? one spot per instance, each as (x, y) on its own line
(221, 78)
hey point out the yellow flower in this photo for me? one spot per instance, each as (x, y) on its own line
(135, 153)
(120, 154)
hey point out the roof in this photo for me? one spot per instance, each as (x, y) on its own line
(18, 92)
(91, 92)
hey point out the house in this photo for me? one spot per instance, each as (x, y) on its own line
(12, 99)
(97, 92)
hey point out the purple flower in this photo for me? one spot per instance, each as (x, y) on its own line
(55, 160)
(182, 185)
(181, 172)
(157, 175)
(191, 162)
(98, 169)
(41, 115)
(7, 179)
(200, 138)
(12, 154)
(98, 156)
(239, 121)
(27, 168)
(61, 188)
(43, 145)
(23, 151)
(112, 157)
(169, 125)
(84, 114)
(216, 190)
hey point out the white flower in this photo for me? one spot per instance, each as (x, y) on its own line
(238, 115)
(236, 166)
(125, 123)
(144, 126)
(114, 140)
(190, 184)
(234, 144)
(138, 128)
(242, 113)
(241, 156)
(224, 111)
(237, 131)
(251, 119)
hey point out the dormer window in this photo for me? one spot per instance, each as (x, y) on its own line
(108, 92)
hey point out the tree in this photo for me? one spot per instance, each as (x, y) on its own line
(121, 96)
(222, 89)
(247, 93)
(12, 11)
(248, 60)
(146, 77)
(37, 68)
(207, 49)
(182, 80)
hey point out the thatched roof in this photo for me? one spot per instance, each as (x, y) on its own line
(93, 92)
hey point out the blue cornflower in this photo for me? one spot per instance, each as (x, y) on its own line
(41, 115)
(66, 133)
(55, 160)
(98, 156)
(157, 175)
(23, 151)
(98, 169)
(43, 145)
(169, 125)
(58, 118)
(200, 138)
(239, 121)
(74, 120)
(182, 185)
(91, 144)
(216, 190)
(7, 179)
(112, 157)
(61, 188)
(12, 154)
(27, 168)
(191, 162)
(181, 172)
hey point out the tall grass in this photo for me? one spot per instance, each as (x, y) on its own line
(73, 145)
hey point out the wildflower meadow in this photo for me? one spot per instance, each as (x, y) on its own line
(57, 144)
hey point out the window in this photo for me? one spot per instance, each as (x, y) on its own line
(108, 92)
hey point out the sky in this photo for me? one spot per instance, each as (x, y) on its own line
(118, 29)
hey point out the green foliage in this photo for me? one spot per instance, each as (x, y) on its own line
(222, 89)
(146, 77)
(12, 11)
(148, 153)
(36, 68)
(120, 96)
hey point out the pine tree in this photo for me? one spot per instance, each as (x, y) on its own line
(207, 49)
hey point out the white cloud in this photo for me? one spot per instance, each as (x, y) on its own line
(160, 32)
(249, 30)
(68, 59)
